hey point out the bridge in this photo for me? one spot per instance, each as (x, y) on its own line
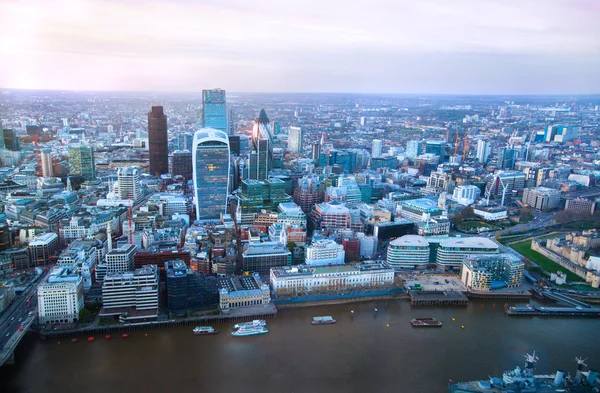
(561, 298)
(7, 351)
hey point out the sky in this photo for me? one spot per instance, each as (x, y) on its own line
(374, 46)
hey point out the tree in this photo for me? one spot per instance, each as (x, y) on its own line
(291, 245)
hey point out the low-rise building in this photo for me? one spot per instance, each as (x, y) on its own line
(260, 257)
(242, 291)
(491, 213)
(42, 247)
(420, 209)
(580, 206)
(451, 252)
(60, 296)
(541, 198)
(325, 252)
(484, 272)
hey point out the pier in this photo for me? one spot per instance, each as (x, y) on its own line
(553, 311)
(437, 298)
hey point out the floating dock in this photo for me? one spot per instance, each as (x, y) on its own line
(438, 298)
(553, 311)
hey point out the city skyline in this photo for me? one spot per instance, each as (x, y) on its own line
(534, 47)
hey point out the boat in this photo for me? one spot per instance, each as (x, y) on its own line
(91, 338)
(74, 340)
(250, 331)
(255, 323)
(107, 337)
(525, 380)
(202, 330)
(425, 322)
(125, 335)
(323, 320)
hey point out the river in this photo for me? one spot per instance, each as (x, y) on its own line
(358, 354)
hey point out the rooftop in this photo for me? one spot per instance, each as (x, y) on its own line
(469, 242)
(410, 240)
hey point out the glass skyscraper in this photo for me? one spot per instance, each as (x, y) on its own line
(214, 110)
(210, 157)
(81, 161)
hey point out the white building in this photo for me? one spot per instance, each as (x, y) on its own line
(128, 183)
(118, 260)
(368, 246)
(325, 252)
(253, 292)
(60, 296)
(479, 272)
(541, 198)
(376, 148)
(295, 139)
(306, 278)
(451, 252)
(483, 151)
(414, 149)
(491, 213)
(134, 293)
(408, 252)
(466, 195)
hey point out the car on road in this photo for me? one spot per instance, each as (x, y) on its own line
(7, 334)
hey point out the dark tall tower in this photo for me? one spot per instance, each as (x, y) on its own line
(158, 141)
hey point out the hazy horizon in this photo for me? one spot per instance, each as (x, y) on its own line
(469, 47)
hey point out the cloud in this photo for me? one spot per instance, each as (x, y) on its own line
(300, 44)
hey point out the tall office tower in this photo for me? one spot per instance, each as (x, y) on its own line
(295, 139)
(214, 110)
(210, 157)
(316, 151)
(32, 130)
(483, 151)
(184, 141)
(414, 149)
(81, 161)
(47, 168)
(506, 158)
(181, 164)
(261, 157)
(235, 144)
(158, 141)
(128, 180)
(377, 147)
(11, 140)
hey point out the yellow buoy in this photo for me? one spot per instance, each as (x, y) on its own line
(454, 319)
(463, 326)
(388, 325)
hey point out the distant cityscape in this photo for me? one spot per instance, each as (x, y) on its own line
(122, 209)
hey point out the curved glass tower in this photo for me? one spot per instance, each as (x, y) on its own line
(210, 157)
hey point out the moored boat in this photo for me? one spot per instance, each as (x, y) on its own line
(250, 331)
(425, 322)
(326, 320)
(91, 338)
(202, 330)
(125, 335)
(255, 323)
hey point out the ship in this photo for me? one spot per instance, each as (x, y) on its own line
(201, 330)
(250, 331)
(255, 323)
(526, 381)
(323, 320)
(425, 322)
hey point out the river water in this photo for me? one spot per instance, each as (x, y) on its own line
(358, 354)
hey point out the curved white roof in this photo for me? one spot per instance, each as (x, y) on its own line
(410, 240)
(210, 134)
(469, 242)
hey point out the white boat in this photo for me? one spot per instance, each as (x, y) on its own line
(250, 331)
(199, 330)
(323, 320)
(255, 323)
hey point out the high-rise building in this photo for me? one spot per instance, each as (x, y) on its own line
(128, 180)
(414, 149)
(211, 166)
(214, 110)
(47, 167)
(261, 157)
(158, 141)
(376, 147)
(483, 151)
(184, 141)
(466, 195)
(181, 164)
(506, 158)
(81, 161)
(295, 140)
(11, 140)
(316, 151)
(121, 260)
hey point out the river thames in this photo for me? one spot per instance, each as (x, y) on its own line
(360, 353)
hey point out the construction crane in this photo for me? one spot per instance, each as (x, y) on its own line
(488, 191)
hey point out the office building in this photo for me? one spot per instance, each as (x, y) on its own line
(185, 141)
(561, 133)
(260, 257)
(307, 194)
(420, 209)
(580, 206)
(214, 111)
(211, 171)
(235, 144)
(47, 165)
(512, 181)
(11, 140)
(324, 252)
(316, 151)
(295, 140)
(331, 215)
(287, 281)
(242, 291)
(261, 155)
(376, 147)
(188, 290)
(120, 260)
(541, 198)
(382, 162)
(414, 149)
(81, 161)
(437, 148)
(491, 213)
(133, 295)
(506, 158)
(451, 252)
(181, 164)
(60, 296)
(408, 252)
(483, 151)
(466, 195)
(486, 272)
(158, 144)
(128, 183)
(42, 247)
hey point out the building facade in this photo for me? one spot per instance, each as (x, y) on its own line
(541, 198)
(158, 144)
(481, 272)
(134, 294)
(60, 296)
(260, 257)
(451, 252)
(408, 252)
(295, 138)
(82, 162)
(214, 110)
(324, 252)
